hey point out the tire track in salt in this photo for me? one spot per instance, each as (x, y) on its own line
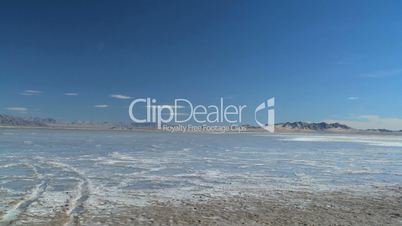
(82, 190)
(12, 215)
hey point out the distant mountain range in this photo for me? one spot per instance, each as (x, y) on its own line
(15, 121)
(313, 126)
(7, 120)
(324, 126)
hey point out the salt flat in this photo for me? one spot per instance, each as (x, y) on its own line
(112, 177)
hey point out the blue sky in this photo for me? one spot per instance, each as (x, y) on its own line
(322, 60)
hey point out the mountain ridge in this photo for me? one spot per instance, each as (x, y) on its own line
(17, 121)
(313, 125)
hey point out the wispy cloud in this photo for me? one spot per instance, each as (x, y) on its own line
(383, 73)
(371, 122)
(120, 96)
(353, 98)
(101, 106)
(17, 109)
(30, 92)
(71, 94)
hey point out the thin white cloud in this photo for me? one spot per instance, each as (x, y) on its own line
(353, 98)
(17, 109)
(101, 106)
(383, 73)
(30, 92)
(71, 94)
(120, 96)
(371, 122)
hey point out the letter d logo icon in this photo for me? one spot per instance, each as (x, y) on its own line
(269, 105)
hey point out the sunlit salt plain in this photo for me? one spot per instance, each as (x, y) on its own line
(42, 172)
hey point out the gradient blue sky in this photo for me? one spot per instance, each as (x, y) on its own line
(322, 60)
